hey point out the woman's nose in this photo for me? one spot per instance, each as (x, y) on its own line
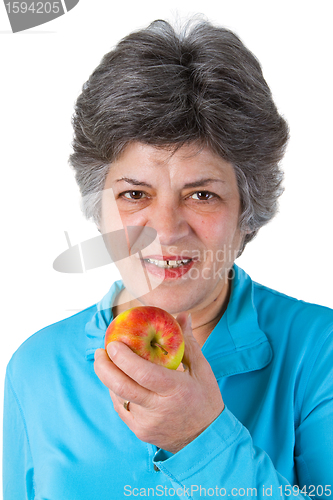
(169, 222)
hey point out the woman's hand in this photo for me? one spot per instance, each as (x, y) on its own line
(168, 408)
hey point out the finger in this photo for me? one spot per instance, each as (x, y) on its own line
(193, 356)
(119, 404)
(153, 377)
(119, 382)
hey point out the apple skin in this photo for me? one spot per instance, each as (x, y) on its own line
(140, 327)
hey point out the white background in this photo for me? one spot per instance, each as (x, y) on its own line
(42, 71)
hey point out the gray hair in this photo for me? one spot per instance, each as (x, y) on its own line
(163, 88)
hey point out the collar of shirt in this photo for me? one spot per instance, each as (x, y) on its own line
(237, 338)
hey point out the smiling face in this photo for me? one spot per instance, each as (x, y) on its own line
(190, 197)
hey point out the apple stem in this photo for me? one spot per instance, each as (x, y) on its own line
(158, 345)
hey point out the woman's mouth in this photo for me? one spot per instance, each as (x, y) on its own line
(167, 267)
(168, 264)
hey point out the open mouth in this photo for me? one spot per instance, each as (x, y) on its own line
(168, 268)
(168, 264)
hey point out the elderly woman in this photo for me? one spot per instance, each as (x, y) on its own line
(179, 134)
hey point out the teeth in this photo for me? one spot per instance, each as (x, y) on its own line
(168, 264)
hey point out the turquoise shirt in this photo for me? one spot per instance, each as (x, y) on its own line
(272, 356)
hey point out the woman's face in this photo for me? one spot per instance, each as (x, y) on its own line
(190, 197)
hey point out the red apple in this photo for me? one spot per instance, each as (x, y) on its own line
(150, 332)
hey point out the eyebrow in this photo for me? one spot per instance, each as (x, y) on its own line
(199, 183)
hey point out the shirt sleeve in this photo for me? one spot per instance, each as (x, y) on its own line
(17, 460)
(223, 461)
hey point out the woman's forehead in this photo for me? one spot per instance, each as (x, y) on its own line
(140, 158)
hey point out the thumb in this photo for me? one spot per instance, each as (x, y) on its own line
(192, 354)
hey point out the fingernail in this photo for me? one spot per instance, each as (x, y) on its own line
(111, 349)
(189, 320)
(98, 352)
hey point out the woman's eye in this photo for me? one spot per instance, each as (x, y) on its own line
(133, 195)
(202, 195)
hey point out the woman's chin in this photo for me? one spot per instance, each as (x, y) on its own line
(173, 300)
(175, 291)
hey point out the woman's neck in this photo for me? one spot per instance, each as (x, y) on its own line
(205, 320)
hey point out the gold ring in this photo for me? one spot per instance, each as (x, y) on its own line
(126, 405)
